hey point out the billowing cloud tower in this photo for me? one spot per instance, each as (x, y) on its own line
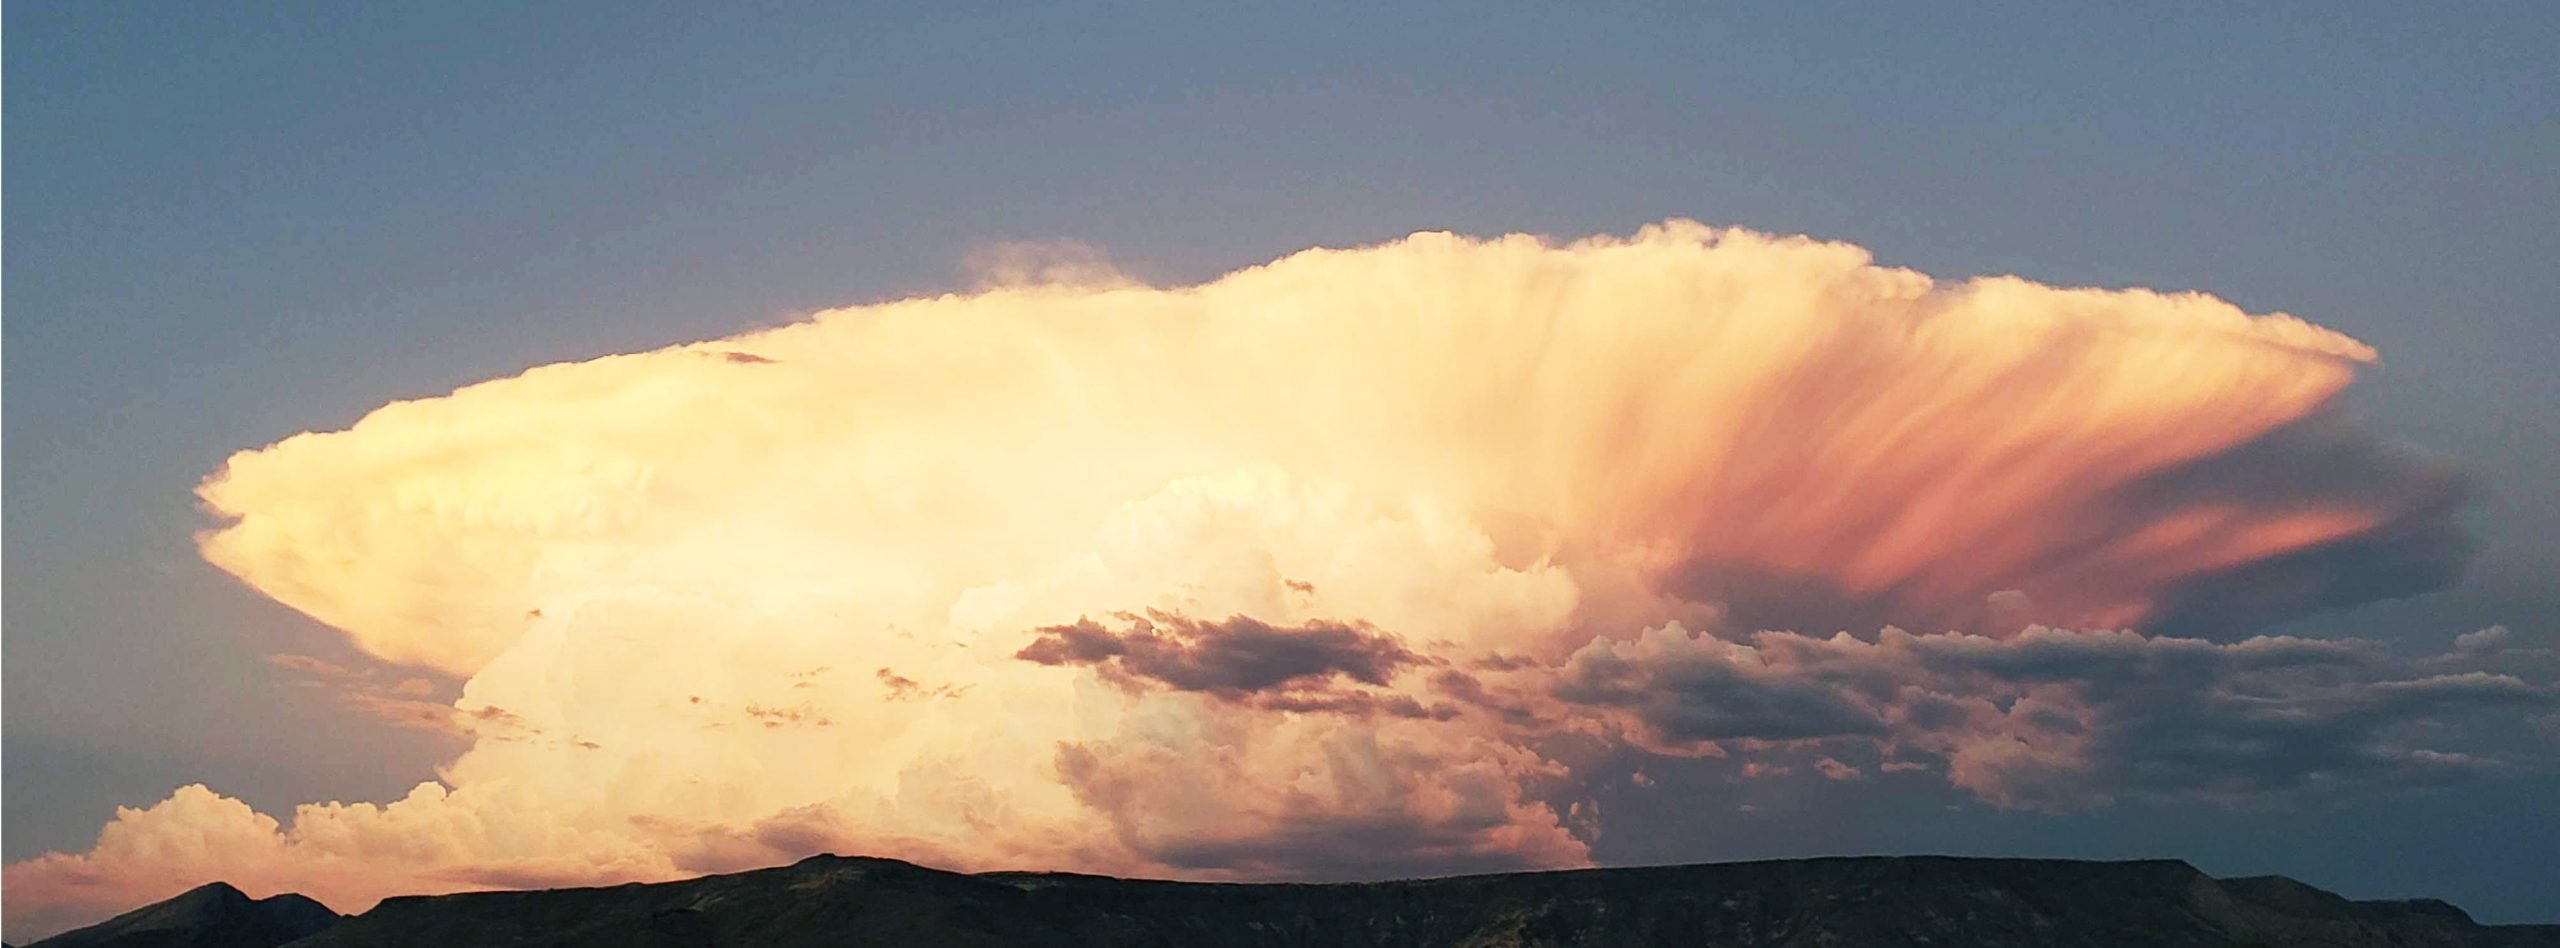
(1306, 571)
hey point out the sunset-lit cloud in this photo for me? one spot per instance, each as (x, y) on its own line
(1303, 572)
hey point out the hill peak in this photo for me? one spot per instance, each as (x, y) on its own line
(213, 915)
(830, 898)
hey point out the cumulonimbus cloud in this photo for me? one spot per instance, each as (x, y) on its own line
(1392, 518)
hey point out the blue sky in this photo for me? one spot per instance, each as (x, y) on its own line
(227, 226)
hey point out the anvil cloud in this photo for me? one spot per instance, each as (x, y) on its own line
(1301, 572)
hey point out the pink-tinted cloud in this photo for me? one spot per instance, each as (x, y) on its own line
(1398, 520)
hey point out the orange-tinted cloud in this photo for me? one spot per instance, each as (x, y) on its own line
(1400, 514)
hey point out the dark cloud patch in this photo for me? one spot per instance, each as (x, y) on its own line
(2056, 719)
(2109, 658)
(2232, 750)
(777, 716)
(1232, 659)
(1503, 661)
(903, 688)
(2408, 560)
(1524, 711)
(490, 722)
(2321, 462)
(1689, 697)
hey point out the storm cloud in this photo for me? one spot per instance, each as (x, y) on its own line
(1458, 500)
